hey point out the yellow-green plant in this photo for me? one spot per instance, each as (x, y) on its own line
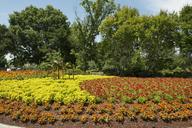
(46, 90)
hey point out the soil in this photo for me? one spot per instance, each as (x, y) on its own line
(126, 124)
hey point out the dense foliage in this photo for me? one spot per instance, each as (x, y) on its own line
(38, 31)
(141, 43)
(129, 44)
(110, 38)
(84, 32)
(5, 43)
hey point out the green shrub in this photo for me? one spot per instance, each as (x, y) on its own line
(126, 99)
(142, 100)
(98, 100)
(157, 99)
(168, 97)
(111, 100)
(181, 98)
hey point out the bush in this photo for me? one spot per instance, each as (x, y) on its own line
(98, 100)
(111, 100)
(168, 97)
(142, 100)
(92, 66)
(181, 98)
(157, 99)
(126, 99)
(78, 71)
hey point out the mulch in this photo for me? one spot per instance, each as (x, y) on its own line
(126, 124)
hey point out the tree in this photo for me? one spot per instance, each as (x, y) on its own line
(3, 62)
(185, 44)
(121, 45)
(86, 30)
(136, 43)
(160, 38)
(54, 63)
(5, 43)
(38, 31)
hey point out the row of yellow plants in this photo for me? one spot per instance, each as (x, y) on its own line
(47, 90)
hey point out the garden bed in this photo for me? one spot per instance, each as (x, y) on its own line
(132, 89)
(92, 115)
(97, 101)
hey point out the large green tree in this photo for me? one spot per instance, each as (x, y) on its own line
(135, 43)
(5, 43)
(86, 30)
(185, 44)
(160, 38)
(38, 31)
(121, 40)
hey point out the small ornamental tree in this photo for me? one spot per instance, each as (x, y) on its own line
(70, 69)
(53, 63)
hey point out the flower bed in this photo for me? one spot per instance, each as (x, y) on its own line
(89, 100)
(47, 90)
(104, 113)
(129, 90)
(21, 74)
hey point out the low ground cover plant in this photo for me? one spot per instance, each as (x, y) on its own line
(47, 90)
(21, 74)
(96, 99)
(96, 113)
(141, 90)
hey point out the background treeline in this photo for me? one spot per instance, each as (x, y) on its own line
(129, 44)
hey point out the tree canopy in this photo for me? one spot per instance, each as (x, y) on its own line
(129, 43)
(5, 44)
(86, 30)
(37, 31)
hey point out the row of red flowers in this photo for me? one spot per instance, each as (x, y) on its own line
(140, 89)
(20, 74)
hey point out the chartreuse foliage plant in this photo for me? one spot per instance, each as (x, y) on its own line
(47, 90)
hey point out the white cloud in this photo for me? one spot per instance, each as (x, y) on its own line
(169, 5)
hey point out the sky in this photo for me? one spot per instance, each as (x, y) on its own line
(68, 7)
